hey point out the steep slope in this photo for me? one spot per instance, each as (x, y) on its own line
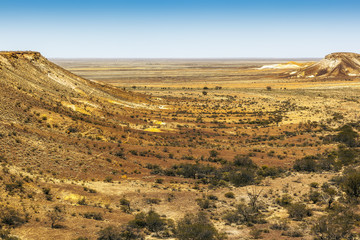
(34, 76)
(335, 65)
(44, 108)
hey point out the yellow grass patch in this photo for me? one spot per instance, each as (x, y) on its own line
(152, 130)
(74, 198)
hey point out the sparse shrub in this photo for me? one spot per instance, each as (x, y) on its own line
(120, 154)
(315, 196)
(244, 214)
(93, 215)
(280, 225)
(307, 164)
(347, 155)
(212, 197)
(336, 225)
(229, 195)
(120, 233)
(255, 233)
(232, 217)
(205, 203)
(125, 205)
(248, 214)
(159, 180)
(56, 216)
(242, 177)
(329, 194)
(285, 200)
(351, 184)
(152, 200)
(134, 152)
(108, 179)
(294, 232)
(154, 222)
(11, 217)
(298, 211)
(243, 161)
(151, 220)
(82, 201)
(13, 187)
(347, 136)
(46, 191)
(5, 235)
(139, 221)
(314, 185)
(273, 172)
(214, 154)
(72, 130)
(196, 227)
(193, 170)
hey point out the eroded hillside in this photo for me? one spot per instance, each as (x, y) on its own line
(335, 65)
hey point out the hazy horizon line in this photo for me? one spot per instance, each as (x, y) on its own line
(188, 58)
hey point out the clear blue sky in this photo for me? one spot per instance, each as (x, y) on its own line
(180, 28)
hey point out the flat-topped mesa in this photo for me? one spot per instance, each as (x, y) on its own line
(342, 55)
(30, 55)
(334, 65)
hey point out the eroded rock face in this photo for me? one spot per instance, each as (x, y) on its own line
(339, 64)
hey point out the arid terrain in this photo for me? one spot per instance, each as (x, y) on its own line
(258, 148)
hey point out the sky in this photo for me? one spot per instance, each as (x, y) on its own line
(180, 28)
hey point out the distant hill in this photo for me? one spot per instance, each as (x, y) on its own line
(334, 65)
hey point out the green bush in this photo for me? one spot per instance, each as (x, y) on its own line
(242, 177)
(154, 222)
(298, 211)
(307, 164)
(93, 215)
(193, 170)
(243, 161)
(196, 227)
(125, 205)
(315, 196)
(151, 220)
(266, 171)
(347, 155)
(139, 221)
(229, 195)
(120, 233)
(351, 184)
